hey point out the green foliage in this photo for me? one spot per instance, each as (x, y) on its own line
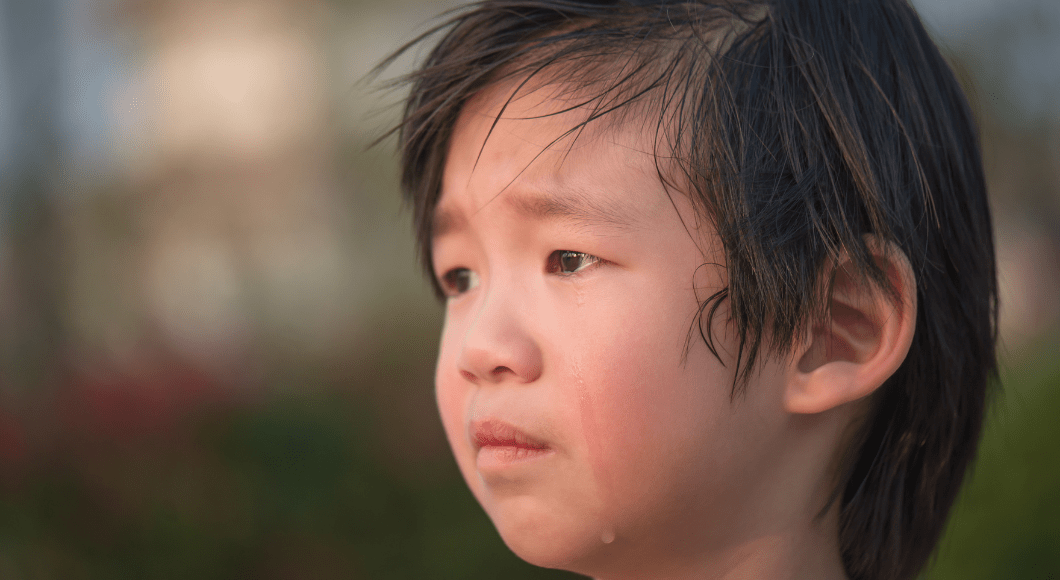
(1005, 524)
(292, 488)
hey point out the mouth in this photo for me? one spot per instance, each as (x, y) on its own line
(498, 444)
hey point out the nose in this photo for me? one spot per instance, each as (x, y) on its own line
(498, 345)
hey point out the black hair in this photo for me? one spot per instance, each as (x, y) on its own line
(796, 127)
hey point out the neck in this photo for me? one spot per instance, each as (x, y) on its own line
(805, 552)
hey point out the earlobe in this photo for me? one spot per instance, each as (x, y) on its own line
(862, 342)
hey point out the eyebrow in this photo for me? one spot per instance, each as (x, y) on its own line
(576, 207)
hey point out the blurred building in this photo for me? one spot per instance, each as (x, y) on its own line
(226, 156)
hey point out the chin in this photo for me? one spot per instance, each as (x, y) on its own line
(547, 552)
(543, 539)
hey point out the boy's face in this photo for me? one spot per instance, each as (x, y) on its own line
(624, 455)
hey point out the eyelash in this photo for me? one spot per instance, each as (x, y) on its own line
(447, 281)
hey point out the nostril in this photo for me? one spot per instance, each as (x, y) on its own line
(500, 370)
(469, 376)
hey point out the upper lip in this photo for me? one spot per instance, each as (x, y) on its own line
(497, 433)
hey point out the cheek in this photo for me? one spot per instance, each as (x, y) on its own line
(451, 394)
(654, 410)
(636, 403)
(654, 429)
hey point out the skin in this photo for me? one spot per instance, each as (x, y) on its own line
(652, 471)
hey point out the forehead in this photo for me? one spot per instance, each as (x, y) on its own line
(535, 154)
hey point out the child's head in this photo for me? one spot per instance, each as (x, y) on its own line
(719, 281)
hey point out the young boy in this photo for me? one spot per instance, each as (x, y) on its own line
(796, 181)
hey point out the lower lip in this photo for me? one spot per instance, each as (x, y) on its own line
(501, 456)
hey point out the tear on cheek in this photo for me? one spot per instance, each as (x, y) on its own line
(588, 406)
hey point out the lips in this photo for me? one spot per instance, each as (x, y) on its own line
(502, 450)
(496, 433)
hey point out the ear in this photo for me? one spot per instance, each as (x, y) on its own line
(864, 340)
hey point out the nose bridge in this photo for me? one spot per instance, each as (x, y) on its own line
(498, 341)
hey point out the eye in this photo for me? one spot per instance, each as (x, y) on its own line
(563, 262)
(568, 262)
(457, 281)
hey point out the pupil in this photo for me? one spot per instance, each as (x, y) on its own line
(569, 260)
(458, 279)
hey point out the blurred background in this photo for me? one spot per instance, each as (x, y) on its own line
(216, 350)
